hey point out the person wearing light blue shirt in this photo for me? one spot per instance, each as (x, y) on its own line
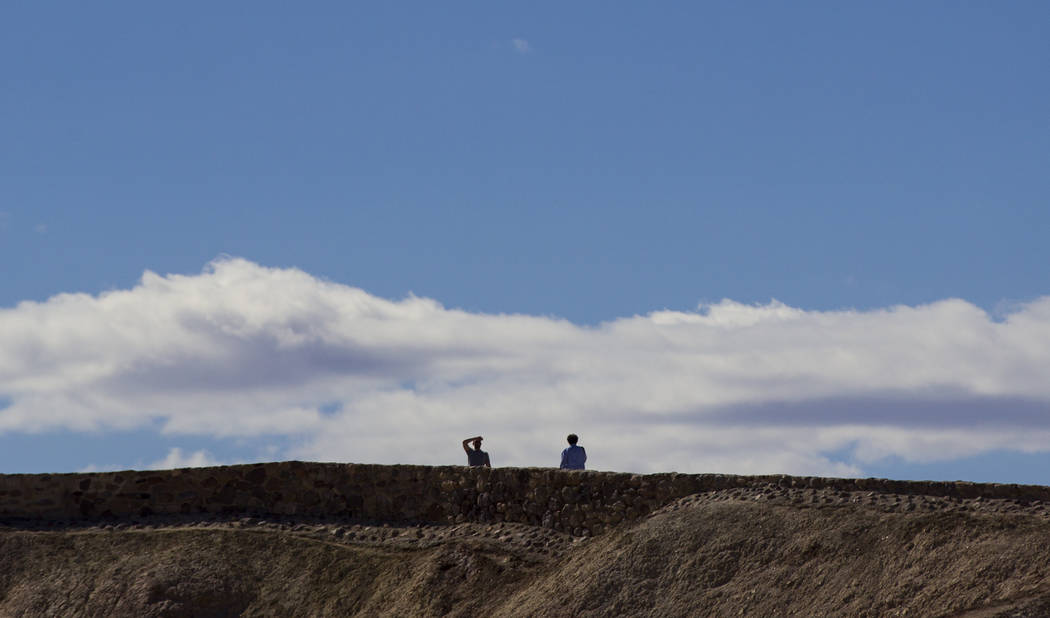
(574, 457)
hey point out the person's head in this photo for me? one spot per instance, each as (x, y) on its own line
(477, 444)
(573, 439)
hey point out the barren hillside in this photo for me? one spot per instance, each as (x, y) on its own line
(752, 551)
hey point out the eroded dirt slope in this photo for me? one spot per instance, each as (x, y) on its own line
(752, 552)
(738, 555)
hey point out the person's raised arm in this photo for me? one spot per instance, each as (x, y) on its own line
(466, 448)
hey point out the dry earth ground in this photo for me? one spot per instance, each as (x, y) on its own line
(743, 552)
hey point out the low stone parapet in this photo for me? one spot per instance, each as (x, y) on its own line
(579, 502)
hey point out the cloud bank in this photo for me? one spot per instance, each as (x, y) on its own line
(521, 46)
(177, 459)
(248, 352)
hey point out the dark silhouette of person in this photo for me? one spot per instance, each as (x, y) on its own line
(476, 456)
(574, 457)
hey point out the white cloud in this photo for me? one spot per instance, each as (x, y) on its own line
(97, 468)
(243, 351)
(176, 459)
(521, 46)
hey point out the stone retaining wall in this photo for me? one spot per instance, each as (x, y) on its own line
(586, 502)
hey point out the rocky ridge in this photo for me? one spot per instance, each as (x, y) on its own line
(772, 546)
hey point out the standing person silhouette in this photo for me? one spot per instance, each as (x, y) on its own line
(476, 456)
(574, 457)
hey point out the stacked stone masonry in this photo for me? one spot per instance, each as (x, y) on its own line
(581, 503)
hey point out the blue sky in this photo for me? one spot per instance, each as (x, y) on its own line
(582, 166)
